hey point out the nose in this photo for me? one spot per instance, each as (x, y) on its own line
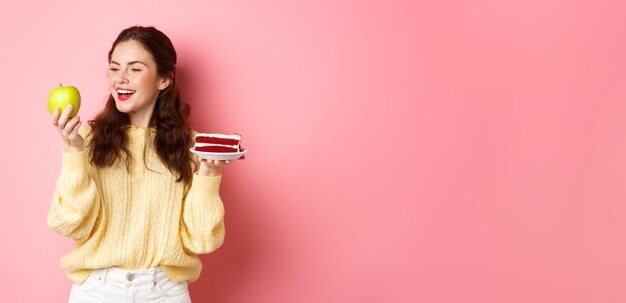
(122, 77)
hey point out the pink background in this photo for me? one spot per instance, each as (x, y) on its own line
(400, 151)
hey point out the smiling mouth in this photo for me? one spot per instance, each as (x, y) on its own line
(125, 91)
(124, 94)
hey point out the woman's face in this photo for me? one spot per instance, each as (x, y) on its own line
(134, 82)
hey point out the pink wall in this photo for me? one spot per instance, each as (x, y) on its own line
(400, 151)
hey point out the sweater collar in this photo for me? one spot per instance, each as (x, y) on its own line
(140, 130)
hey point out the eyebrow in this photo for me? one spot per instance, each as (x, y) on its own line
(129, 63)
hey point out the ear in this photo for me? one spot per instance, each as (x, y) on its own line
(165, 82)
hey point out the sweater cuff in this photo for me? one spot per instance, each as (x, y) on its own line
(73, 162)
(205, 183)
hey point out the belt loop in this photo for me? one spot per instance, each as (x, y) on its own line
(104, 275)
(153, 281)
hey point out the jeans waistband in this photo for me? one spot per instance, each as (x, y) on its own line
(118, 276)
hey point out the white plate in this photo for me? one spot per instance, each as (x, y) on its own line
(218, 156)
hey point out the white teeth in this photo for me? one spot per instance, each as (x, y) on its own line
(125, 91)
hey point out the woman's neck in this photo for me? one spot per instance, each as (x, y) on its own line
(140, 120)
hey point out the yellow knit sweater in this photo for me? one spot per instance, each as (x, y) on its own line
(137, 220)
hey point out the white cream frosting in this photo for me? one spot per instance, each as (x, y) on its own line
(221, 136)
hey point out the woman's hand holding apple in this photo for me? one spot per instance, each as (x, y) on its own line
(68, 128)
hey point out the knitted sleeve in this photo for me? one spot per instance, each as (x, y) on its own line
(202, 224)
(76, 200)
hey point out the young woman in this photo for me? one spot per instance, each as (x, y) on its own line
(139, 205)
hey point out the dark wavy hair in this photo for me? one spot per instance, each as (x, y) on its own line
(173, 136)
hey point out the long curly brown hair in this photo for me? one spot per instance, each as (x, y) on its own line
(173, 136)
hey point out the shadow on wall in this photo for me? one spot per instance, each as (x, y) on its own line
(196, 86)
(232, 268)
(228, 270)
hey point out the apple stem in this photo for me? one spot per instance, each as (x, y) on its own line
(60, 85)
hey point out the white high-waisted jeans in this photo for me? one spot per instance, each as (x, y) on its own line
(129, 286)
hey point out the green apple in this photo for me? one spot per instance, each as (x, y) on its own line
(63, 96)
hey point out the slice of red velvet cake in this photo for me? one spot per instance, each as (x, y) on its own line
(218, 143)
